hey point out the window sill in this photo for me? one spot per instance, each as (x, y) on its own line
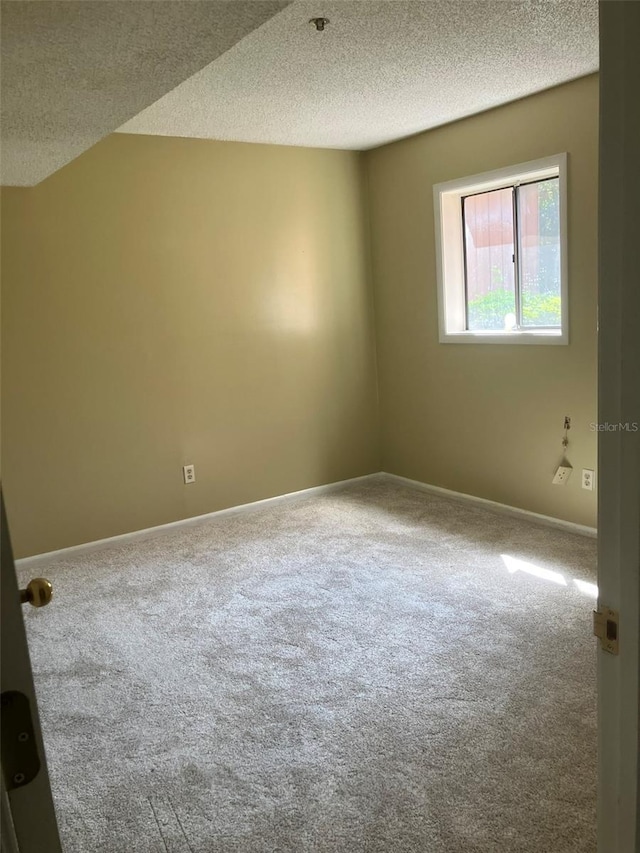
(545, 338)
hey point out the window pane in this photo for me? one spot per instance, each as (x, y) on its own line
(488, 237)
(539, 221)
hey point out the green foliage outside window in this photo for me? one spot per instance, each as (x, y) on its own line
(489, 311)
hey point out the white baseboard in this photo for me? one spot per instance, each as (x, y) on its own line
(505, 509)
(150, 532)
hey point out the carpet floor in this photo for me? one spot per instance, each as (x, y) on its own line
(375, 670)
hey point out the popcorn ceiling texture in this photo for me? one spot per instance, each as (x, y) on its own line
(379, 71)
(73, 72)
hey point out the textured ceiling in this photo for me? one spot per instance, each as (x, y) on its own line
(379, 71)
(74, 71)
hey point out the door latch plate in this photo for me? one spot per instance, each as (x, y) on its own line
(606, 628)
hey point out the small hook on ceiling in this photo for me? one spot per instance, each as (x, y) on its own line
(320, 23)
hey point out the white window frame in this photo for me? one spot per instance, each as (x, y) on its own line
(447, 200)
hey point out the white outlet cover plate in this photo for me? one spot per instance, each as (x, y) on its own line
(588, 477)
(562, 474)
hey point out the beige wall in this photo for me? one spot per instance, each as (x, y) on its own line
(485, 419)
(171, 301)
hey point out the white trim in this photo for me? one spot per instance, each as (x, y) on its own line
(545, 336)
(532, 170)
(449, 252)
(151, 532)
(242, 509)
(494, 506)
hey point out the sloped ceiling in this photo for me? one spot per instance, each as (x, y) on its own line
(381, 70)
(74, 71)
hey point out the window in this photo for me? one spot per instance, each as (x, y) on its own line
(501, 255)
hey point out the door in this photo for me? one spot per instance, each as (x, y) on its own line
(619, 407)
(28, 816)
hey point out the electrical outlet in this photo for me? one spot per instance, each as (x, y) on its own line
(562, 474)
(587, 479)
(189, 473)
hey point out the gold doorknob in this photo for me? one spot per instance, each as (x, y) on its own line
(38, 592)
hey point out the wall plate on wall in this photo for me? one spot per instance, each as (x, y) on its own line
(587, 479)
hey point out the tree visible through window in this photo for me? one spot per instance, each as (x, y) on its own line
(512, 266)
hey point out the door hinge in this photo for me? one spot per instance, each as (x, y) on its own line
(606, 627)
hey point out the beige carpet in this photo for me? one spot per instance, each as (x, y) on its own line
(371, 671)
